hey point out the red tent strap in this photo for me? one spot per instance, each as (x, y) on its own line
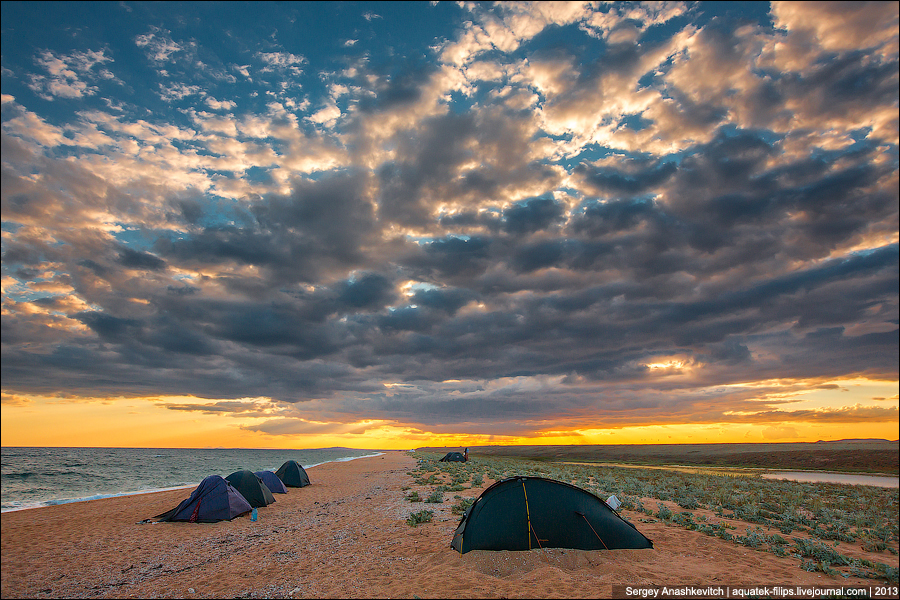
(196, 512)
(592, 528)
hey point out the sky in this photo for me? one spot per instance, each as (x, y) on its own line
(391, 225)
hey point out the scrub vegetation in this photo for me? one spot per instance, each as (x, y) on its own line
(417, 518)
(821, 524)
(850, 456)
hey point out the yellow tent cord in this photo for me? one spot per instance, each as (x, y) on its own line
(528, 515)
(530, 526)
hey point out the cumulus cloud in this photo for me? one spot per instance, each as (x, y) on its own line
(69, 76)
(500, 234)
(220, 104)
(282, 61)
(158, 44)
(840, 25)
(14, 400)
(326, 115)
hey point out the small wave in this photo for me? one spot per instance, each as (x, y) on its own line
(14, 506)
(344, 459)
(44, 480)
(22, 475)
(349, 458)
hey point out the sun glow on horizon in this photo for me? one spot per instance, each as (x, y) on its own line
(196, 423)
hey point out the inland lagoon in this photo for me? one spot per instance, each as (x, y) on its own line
(844, 478)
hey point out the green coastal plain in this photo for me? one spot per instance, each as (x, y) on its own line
(717, 490)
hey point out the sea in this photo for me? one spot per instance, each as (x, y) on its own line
(35, 477)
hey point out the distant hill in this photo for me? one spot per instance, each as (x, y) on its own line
(858, 440)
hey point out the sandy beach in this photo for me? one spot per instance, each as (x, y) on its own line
(346, 536)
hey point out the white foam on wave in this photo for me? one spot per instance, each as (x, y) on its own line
(345, 459)
(16, 506)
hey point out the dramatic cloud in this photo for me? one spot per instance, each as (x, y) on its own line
(469, 219)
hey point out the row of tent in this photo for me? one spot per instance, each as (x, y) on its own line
(224, 498)
(517, 513)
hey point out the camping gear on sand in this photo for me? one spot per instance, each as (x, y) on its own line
(251, 487)
(270, 479)
(213, 500)
(525, 513)
(292, 474)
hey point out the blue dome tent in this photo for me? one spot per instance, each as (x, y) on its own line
(213, 500)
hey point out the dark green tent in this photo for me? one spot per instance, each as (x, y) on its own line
(292, 474)
(251, 487)
(524, 513)
(454, 457)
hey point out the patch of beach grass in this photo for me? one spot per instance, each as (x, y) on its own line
(417, 518)
(863, 515)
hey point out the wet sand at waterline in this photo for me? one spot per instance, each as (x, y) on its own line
(346, 536)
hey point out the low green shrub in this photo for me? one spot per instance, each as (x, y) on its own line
(886, 571)
(664, 512)
(820, 552)
(417, 518)
(461, 505)
(685, 519)
(874, 546)
(688, 503)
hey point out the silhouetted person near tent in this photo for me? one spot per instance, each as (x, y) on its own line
(466, 455)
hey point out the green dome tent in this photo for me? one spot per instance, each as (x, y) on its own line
(522, 513)
(292, 474)
(251, 487)
(453, 457)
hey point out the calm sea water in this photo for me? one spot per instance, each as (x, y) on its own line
(33, 477)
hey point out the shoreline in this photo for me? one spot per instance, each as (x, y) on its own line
(346, 536)
(62, 501)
